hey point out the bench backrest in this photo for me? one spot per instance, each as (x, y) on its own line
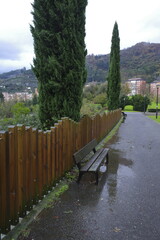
(83, 152)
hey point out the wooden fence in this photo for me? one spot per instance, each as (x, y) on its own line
(32, 160)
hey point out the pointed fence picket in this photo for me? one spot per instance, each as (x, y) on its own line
(31, 160)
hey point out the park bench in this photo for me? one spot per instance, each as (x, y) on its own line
(94, 161)
(124, 115)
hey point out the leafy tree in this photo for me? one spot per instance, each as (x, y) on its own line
(59, 64)
(140, 103)
(124, 101)
(114, 79)
(5, 109)
(100, 99)
(90, 109)
(92, 90)
(19, 109)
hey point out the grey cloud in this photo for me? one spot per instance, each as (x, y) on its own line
(9, 50)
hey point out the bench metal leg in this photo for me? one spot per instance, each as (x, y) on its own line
(107, 159)
(79, 177)
(96, 177)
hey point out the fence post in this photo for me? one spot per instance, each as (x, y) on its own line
(40, 164)
(60, 143)
(4, 210)
(29, 170)
(13, 174)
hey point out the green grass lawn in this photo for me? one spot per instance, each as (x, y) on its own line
(129, 108)
(153, 105)
(155, 119)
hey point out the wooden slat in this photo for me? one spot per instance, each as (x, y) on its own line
(99, 160)
(13, 175)
(28, 144)
(40, 164)
(64, 141)
(91, 161)
(60, 142)
(34, 165)
(57, 150)
(4, 216)
(44, 163)
(49, 167)
(78, 156)
(21, 190)
(53, 149)
(67, 144)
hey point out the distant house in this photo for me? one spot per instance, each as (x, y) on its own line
(153, 88)
(137, 86)
(19, 96)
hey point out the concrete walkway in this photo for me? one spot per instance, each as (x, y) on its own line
(126, 203)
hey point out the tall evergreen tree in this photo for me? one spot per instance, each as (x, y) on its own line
(59, 62)
(114, 78)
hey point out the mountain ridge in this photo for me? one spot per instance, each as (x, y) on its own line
(141, 60)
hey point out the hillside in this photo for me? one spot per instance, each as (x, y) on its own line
(18, 81)
(141, 60)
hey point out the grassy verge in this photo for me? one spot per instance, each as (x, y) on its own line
(155, 119)
(110, 135)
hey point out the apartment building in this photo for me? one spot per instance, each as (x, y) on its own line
(153, 88)
(137, 86)
(19, 96)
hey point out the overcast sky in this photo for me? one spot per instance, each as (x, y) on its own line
(138, 21)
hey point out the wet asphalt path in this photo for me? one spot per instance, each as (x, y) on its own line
(126, 203)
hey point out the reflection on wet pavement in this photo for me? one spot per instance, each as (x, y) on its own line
(119, 167)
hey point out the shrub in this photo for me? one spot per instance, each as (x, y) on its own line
(124, 101)
(20, 109)
(101, 99)
(140, 103)
(90, 109)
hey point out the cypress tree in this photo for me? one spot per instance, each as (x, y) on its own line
(59, 62)
(114, 79)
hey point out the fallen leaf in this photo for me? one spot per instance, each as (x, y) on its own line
(116, 229)
(67, 212)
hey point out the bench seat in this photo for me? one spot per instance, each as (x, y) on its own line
(94, 162)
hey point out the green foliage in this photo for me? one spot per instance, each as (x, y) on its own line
(59, 64)
(140, 103)
(1, 97)
(35, 99)
(19, 109)
(5, 109)
(114, 79)
(22, 117)
(101, 99)
(89, 108)
(92, 90)
(123, 101)
(153, 105)
(61, 190)
(5, 122)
